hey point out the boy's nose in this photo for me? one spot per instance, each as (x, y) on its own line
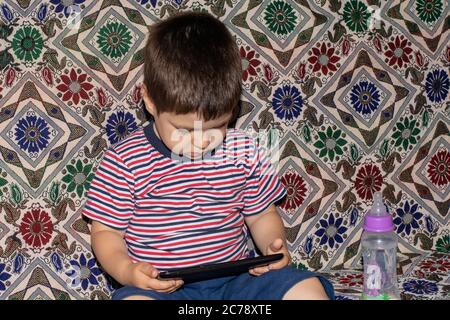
(201, 141)
(204, 144)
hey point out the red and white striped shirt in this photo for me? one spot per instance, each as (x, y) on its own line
(178, 213)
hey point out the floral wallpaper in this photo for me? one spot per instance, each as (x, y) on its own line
(357, 90)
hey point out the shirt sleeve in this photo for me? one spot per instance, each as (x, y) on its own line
(263, 187)
(110, 198)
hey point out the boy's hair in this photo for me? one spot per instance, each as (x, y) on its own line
(192, 64)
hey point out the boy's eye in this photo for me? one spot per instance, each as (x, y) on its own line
(185, 132)
(182, 132)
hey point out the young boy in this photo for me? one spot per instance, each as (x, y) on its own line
(185, 190)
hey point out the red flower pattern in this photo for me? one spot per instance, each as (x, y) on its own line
(398, 52)
(74, 87)
(301, 71)
(296, 191)
(249, 63)
(442, 265)
(447, 54)
(36, 228)
(419, 59)
(352, 280)
(47, 76)
(439, 168)
(322, 58)
(368, 181)
(10, 77)
(268, 73)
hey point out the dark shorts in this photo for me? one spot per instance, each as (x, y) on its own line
(271, 285)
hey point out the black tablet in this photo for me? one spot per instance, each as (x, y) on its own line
(218, 270)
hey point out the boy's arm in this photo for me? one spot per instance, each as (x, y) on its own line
(111, 251)
(267, 230)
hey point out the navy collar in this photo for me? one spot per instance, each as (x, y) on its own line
(160, 146)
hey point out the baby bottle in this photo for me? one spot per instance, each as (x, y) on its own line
(379, 250)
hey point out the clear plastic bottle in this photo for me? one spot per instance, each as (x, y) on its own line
(379, 250)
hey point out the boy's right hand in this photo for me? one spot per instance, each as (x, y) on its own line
(143, 275)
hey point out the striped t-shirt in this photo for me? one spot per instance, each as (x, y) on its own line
(178, 213)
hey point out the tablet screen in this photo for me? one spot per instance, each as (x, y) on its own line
(218, 270)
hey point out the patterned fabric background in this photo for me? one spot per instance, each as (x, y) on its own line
(358, 90)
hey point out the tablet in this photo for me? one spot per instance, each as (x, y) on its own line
(218, 270)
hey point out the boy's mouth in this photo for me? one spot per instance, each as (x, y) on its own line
(192, 155)
(196, 155)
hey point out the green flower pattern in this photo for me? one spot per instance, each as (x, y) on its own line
(27, 44)
(330, 143)
(443, 244)
(114, 40)
(3, 182)
(79, 178)
(356, 16)
(280, 17)
(35, 38)
(405, 133)
(429, 10)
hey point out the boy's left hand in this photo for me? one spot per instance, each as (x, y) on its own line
(277, 246)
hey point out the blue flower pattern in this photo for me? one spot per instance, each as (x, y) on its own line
(3, 277)
(365, 97)
(331, 231)
(407, 218)
(61, 6)
(437, 85)
(420, 287)
(287, 102)
(88, 272)
(144, 2)
(32, 134)
(119, 125)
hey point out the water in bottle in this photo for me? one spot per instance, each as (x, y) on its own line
(379, 250)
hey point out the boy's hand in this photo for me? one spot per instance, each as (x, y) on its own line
(276, 246)
(143, 275)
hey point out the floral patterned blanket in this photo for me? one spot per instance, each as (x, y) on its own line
(351, 95)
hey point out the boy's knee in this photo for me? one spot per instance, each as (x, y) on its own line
(137, 298)
(308, 289)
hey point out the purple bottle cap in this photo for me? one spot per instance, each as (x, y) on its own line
(378, 219)
(378, 224)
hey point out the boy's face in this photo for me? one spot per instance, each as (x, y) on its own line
(188, 134)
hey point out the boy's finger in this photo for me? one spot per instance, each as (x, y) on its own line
(161, 285)
(175, 285)
(254, 273)
(276, 246)
(149, 270)
(257, 270)
(260, 270)
(278, 265)
(179, 283)
(285, 261)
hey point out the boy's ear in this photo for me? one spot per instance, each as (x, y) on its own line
(149, 105)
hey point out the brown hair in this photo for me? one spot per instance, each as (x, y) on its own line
(192, 64)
